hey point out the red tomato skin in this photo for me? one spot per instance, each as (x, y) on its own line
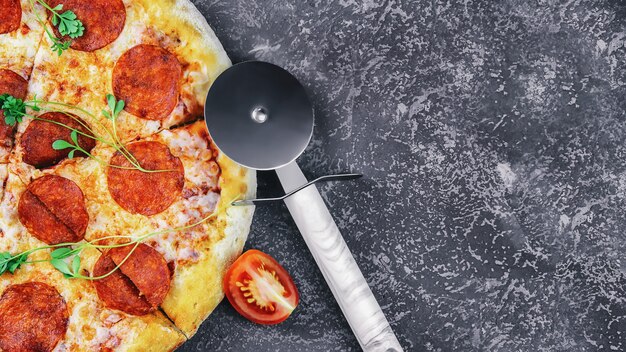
(236, 299)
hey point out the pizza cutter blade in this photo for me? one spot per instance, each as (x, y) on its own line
(260, 116)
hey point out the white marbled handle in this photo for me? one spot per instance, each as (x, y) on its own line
(337, 264)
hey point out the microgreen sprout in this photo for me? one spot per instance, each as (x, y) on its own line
(65, 257)
(15, 110)
(60, 144)
(11, 263)
(115, 106)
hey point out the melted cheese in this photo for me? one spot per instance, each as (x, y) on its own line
(18, 48)
(84, 78)
(92, 326)
(201, 253)
(199, 200)
(15, 238)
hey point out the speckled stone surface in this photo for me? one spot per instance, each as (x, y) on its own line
(493, 139)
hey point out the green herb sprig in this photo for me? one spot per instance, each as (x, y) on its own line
(115, 106)
(65, 257)
(15, 110)
(66, 22)
(61, 144)
(11, 263)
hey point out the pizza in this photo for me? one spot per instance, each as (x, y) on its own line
(116, 224)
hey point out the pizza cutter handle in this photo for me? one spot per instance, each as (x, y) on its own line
(337, 264)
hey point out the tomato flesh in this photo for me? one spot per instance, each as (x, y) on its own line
(260, 289)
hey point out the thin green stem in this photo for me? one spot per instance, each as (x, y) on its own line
(100, 161)
(92, 278)
(36, 261)
(122, 150)
(136, 165)
(77, 108)
(80, 149)
(43, 3)
(140, 239)
(116, 144)
(64, 125)
(91, 244)
(42, 22)
(79, 121)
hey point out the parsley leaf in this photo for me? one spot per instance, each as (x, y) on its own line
(14, 109)
(68, 24)
(4, 261)
(59, 46)
(10, 262)
(17, 262)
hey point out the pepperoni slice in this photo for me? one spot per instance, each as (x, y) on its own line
(117, 291)
(146, 193)
(33, 317)
(39, 135)
(10, 16)
(103, 21)
(140, 284)
(147, 78)
(13, 84)
(52, 208)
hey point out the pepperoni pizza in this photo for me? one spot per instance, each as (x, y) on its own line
(115, 220)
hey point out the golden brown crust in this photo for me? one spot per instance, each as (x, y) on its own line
(197, 288)
(201, 254)
(33, 317)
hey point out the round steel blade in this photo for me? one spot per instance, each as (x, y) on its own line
(259, 115)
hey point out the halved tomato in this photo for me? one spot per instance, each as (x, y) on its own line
(260, 289)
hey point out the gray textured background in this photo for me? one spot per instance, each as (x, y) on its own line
(492, 138)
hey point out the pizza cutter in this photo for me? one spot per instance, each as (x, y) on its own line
(260, 116)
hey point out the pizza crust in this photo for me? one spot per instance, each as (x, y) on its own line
(18, 48)
(200, 255)
(91, 325)
(147, 22)
(197, 289)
